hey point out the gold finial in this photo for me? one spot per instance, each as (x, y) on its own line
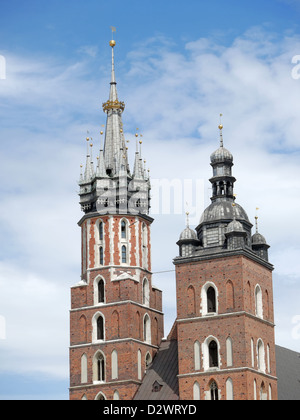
(101, 132)
(221, 125)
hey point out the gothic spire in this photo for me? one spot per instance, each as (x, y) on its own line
(114, 136)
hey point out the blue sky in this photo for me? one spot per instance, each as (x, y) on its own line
(179, 64)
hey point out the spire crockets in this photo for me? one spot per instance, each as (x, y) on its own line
(112, 189)
(114, 136)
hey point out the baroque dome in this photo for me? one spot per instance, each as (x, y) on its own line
(258, 239)
(223, 210)
(221, 155)
(187, 234)
(235, 226)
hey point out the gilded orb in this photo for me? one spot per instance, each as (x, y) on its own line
(112, 43)
(221, 127)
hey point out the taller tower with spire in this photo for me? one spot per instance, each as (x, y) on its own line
(116, 319)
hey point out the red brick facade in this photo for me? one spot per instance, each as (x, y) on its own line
(235, 326)
(126, 300)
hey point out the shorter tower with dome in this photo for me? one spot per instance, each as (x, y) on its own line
(225, 317)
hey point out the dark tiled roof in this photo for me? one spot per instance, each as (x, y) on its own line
(288, 373)
(161, 375)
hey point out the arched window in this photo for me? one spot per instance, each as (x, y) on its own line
(100, 328)
(211, 300)
(116, 395)
(99, 367)
(252, 353)
(270, 392)
(263, 394)
(147, 329)
(148, 360)
(101, 231)
(267, 305)
(261, 356)
(213, 354)
(196, 392)
(101, 291)
(229, 352)
(138, 326)
(268, 359)
(214, 392)
(139, 365)
(146, 293)
(258, 302)
(114, 365)
(124, 255)
(100, 397)
(101, 255)
(84, 369)
(123, 229)
(229, 390)
(197, 355)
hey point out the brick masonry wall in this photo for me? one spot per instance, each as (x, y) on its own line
(123, 309)
(235, 279)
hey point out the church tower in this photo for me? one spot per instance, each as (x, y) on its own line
(116, 319)
(225, 317)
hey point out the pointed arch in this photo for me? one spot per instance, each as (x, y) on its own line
(191, 301)
(229, 390)
(114, 365)
(147, 329)
(116, 395)
(99, 290)
(100, 397)
(99, 367)
(138, 325)
(214, 391)
(124, 254)
(84, 369)
(139, 364)
(258, 302)
(115, 325)
(98, 324)
(261, 365)
(82, 329)
(267, 305)
(209, 299)
(211, 354)
(148, 359)
(229, 352)
(146, 292)
(124, 229)
(196, 392)
(229, 295)
(197, 355)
